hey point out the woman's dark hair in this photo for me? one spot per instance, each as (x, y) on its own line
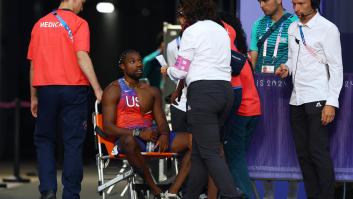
(240, 40)
(198, 10)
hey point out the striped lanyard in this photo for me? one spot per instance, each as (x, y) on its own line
(308, 48)
(62, 21)
(278, 40)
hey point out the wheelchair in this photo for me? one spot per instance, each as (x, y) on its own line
(113, 167)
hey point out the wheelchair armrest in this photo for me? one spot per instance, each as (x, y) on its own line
(100, 132)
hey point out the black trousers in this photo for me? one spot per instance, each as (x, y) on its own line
(209, 103)
(178, 119)
(311, 140)
(61, 108)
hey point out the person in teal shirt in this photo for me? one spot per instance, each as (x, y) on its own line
(274, 50)
(151, 68)
(270, 55)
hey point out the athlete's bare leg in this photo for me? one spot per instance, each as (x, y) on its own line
(133, 154)
(181, 143)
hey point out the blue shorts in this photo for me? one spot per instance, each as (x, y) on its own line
(142, 143)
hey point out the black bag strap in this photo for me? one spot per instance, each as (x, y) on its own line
(261, 41)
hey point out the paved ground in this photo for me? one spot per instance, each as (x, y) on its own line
(89, 185)
(30, 190)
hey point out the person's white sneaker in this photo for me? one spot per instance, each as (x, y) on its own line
(168, 195)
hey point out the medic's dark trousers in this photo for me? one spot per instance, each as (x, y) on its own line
(62, 108)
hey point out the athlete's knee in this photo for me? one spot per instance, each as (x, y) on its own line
(128, 143)
(175, 148)
(181, 146)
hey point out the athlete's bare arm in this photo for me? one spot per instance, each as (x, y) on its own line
(160, 119)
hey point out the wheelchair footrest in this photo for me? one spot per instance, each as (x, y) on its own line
(115, 180)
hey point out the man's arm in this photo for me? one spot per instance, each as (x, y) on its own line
(253, 44)
(333, 52)
(285, 69)
(254, 55)
(161, 120)
(87, 68)
(34, 98)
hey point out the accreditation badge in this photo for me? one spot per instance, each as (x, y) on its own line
(268, 69)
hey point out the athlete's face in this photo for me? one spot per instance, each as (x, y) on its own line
(270, 7)
(132, 65)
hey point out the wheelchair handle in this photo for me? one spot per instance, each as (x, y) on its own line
(96, 106)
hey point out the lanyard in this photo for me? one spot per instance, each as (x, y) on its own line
(302, 34)
(62, 21)
(278, 40)
(308, 48)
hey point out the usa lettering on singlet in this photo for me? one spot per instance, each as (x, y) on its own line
(129, 113)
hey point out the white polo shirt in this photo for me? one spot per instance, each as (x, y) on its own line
(316, 67)
(204, 54)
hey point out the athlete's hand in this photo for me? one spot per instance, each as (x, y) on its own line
(282, 71)
(34, 106)
(148, 134)
(327, 114)
(163, 142)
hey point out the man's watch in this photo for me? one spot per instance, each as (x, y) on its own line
(137, 132)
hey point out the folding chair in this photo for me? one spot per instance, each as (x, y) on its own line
(108, 178)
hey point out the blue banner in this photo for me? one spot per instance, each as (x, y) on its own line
(272, 154)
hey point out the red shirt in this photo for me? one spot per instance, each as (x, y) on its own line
(235, 81)
(53, 53)
(250, 101)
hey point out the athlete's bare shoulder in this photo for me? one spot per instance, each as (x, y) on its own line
(112, 91)
(114, 83)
